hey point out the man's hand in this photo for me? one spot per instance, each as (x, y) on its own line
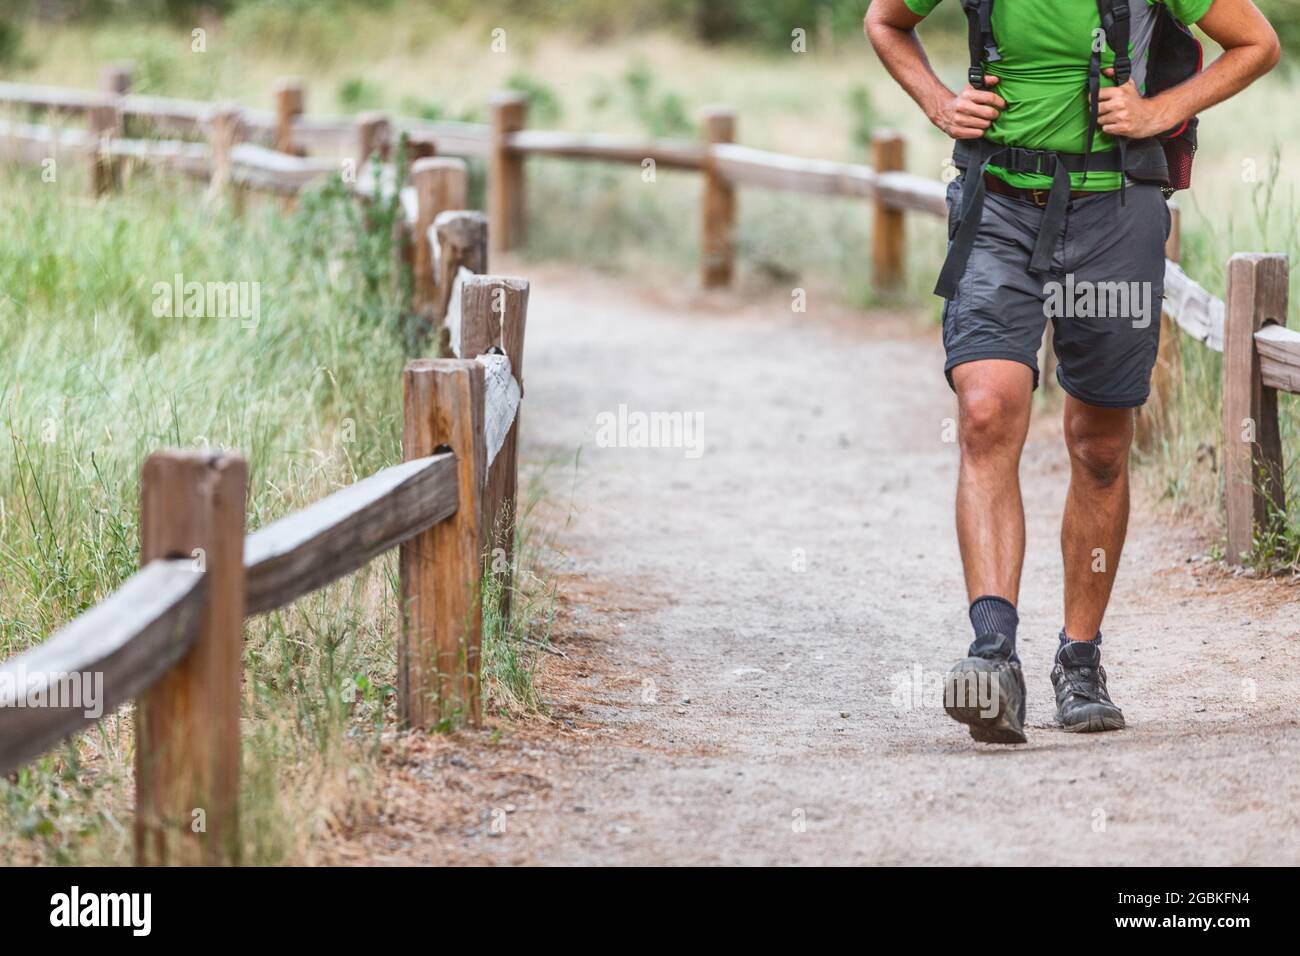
(891, 27)
(969, 114)
(1124, 111)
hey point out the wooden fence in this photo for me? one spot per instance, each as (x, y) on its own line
(1260, 357)
(284, 149)
(170, 637)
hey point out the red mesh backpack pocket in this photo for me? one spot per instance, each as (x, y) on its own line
(1175, 57)
(1179, 151)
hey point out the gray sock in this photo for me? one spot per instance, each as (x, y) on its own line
(990, 614)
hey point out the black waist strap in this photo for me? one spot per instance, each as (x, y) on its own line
(974, 156)
(1017, 159)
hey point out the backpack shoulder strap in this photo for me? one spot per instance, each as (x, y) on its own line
(979, 36)
(1115, 24)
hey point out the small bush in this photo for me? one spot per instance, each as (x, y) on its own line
(11, 42)
(661, 113)
(355, 94)
(544, 106)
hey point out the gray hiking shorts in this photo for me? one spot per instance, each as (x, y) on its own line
(1103, 292)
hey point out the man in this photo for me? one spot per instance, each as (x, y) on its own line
(1049, 201)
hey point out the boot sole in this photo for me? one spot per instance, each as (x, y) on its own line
(1095, 723)
(1002, 727)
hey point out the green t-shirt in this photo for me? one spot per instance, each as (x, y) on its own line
(1043, 75)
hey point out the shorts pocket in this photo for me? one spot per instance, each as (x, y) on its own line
(954, 206)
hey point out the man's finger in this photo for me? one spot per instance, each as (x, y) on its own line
(991, 99)
(974, 109)
(972, 121)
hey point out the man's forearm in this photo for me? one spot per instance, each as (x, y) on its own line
(890, 26)
(1227, 76)
(904, 57)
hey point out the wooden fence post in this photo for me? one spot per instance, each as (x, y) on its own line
(441, 568)
(420, 147)
(225, 130)
(289, 105)
(718, 236)
(374, 139)
(462, 241)
(1047, 358)
(105, 122)
(1174, 243)
(1252, 444)
(506, 173)
(494, 311)
(1154, 415)
(441, 184)
(187, 724)
(115, 79)
(887, 231)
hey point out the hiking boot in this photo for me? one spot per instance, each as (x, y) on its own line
(986, 692)
(1082, 704)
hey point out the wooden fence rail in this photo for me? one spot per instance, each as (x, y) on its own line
(342, 533)
(132, 638)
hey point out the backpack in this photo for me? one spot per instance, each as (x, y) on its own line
(1174, 56)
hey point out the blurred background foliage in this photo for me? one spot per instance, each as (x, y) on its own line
(750, 22)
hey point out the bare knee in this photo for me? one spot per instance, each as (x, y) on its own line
(1098, 441)
(992, 420)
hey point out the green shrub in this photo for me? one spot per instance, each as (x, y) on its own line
(544, 106)
(356, 93)
(863, 118)
(11, 42)
(661, 113)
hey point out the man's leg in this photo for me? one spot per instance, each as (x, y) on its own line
(1096, 511)
(992, 329)
(986, 691)
(1114, 245)
(993, 400)
(1092, 536)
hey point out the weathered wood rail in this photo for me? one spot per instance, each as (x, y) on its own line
(170, 637)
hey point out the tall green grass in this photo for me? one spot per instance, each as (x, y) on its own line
(92, 381)
(1185, 466)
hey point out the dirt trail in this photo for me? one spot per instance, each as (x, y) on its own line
(718, 705)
